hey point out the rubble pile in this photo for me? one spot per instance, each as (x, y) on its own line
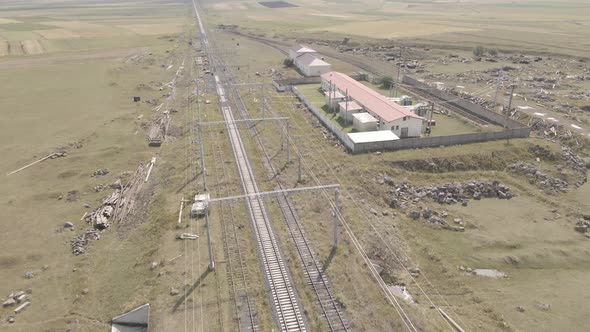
(436, 219)
(548, 184)
(100, 218)
(582, 225)
(80, 242)
(448, 193)
(576, 163)
(550, 131)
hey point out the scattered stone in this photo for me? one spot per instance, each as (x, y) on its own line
(444, 214)
(385, 213)
(415, 272)
(544, 306)
(45, 267)
(21, 298)
(154, 265)
(520, 308)
(101, 172)
(29, 275)
(68, 225)
(29, 291)
(116, 185)
(415, 215)
(72, 196)
(174, 291)
(548, 184)
(80, 242)
(10, 319)
(85, 291)
(373, 211)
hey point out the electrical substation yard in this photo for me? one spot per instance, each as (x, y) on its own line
(284, 300)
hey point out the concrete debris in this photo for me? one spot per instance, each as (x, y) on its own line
(187, 236)
(10, 319)
(21, 307)
(548, 184)
(9, 302)
(80, 242)
(101, 172)
(116, 185)
(154, 265)
(406, 194)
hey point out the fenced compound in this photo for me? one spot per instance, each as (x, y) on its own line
(514, 129)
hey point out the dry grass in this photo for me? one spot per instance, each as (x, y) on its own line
(57, 34)
(154, 29)
(32, 47)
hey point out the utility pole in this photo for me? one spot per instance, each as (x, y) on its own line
(211, 262)
(288, 145)
(497, 88)
(512, 87)
(398, 71)
(335, 212)
(299, 160)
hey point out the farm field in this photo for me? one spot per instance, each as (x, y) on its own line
(536, 25)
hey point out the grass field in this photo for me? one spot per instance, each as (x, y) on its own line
(538, 25)
(68, 80)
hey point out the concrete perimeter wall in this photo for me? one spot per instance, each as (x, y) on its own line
(436, 141)
(466, 105)
(515, 130)
(325, 121)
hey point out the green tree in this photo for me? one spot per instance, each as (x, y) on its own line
(385, 81)
(479, 50)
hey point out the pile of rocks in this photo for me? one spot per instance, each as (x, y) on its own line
(548, 184)
(80, 242)
(449, 193)
(582, 225)
(437, 219)
(100, 172)
(576, 163)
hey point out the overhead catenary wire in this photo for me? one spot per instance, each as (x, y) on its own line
(373, 228)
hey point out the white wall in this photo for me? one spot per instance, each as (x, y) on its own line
(414, 126)
(367, 126)
(313, 70)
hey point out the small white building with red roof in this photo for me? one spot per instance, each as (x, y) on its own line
(394, 117)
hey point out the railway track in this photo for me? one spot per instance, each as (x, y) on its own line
(245, 308)
(286, 307)
(329, 308)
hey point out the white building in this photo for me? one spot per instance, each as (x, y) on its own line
(299, 50)
(309, 65)
(364, 122)
(402, 122)
(347, 109)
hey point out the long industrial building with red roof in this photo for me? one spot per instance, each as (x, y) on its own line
(339, 88)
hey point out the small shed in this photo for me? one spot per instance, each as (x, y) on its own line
(333, 98)
(310, 65)
(364, 122)
(347, 108)
(373, 136)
